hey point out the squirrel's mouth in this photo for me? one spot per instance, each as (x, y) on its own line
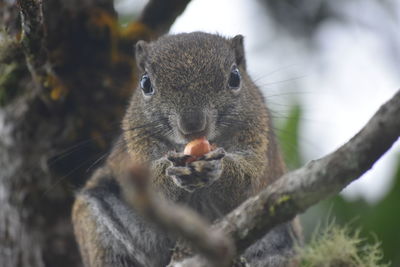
(191, 136)
(180, 138)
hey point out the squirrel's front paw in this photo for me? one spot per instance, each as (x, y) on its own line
(195, 174)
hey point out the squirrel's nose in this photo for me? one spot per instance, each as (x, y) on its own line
(192, 121)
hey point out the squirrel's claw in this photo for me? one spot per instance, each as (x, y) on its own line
(198, 173)
(215, 154)
(177, 159)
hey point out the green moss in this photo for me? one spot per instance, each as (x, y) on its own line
(278, 202)
(12, 70)
(337, 246)
(10, 77)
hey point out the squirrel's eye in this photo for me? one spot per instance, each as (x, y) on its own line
(234, 78)
(146, 86)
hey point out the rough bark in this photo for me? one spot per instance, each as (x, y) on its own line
(66, 74)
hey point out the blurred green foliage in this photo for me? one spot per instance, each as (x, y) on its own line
(288, 136)
(378, 223)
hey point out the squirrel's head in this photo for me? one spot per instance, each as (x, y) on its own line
(192, 85)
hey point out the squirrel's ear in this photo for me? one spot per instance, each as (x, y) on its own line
(238, 46)
(141, 54)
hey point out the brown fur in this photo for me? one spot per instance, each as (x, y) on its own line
(189, 73)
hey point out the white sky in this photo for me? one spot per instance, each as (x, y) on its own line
(340, 86)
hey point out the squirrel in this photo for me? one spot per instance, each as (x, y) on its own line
(191, 85)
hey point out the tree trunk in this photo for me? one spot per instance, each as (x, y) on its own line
(66, 75)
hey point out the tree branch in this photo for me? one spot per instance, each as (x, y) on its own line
(296, 191)
(216, 247)
(155, 20)
(33, 38)
(159, 15)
